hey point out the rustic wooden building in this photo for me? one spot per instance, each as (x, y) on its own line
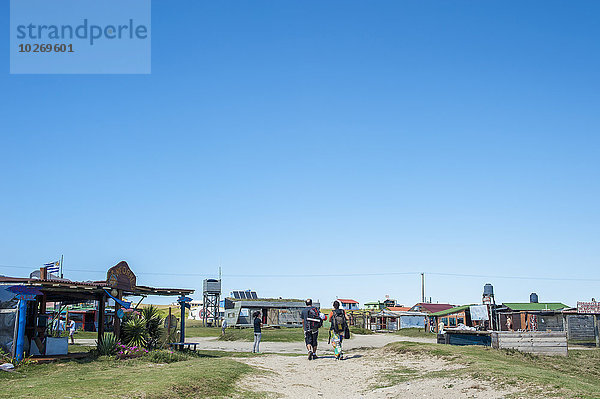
(392, 321)
(528, 316)
(274, 312)
(451, 318)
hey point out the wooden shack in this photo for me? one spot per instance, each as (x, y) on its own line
(392, 321)
(25, 322)
(274, 312)
(531, 316)
(451, 318)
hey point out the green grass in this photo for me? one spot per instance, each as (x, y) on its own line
(414, 332)
(77, 348)
(577, 375)
(204, 375)
(361, 331)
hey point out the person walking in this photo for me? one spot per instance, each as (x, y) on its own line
(311, 322)
(257, 331)
(223, 327)
(338, 328)
(72, 328)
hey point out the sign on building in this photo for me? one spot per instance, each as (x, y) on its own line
(588, 307)
(121, 277)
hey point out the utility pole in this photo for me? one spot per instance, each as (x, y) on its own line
(61, 266)
(422, 287)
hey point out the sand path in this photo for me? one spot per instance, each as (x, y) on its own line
(360, 376)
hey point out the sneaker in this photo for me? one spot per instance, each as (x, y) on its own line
(310, 356)
(314, 356)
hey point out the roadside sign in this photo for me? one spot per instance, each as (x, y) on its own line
(588, 307)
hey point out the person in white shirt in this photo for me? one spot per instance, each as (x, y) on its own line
(72, 328)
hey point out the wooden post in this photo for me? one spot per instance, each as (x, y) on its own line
(116, 320)
(596, 331)
(182, 334)
(169, 325)
(101, 310)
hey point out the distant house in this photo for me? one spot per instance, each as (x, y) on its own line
(450, 317)
(398, 308)
(376, 305)
(528, 316)
(389, 303)
(430, 307)
(396, 320)
(348, 304)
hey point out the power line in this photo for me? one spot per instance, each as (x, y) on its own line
(309, 275)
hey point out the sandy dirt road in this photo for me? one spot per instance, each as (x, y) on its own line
(360, 376)
(357, 341)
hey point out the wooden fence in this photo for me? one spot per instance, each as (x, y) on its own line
(541, 343)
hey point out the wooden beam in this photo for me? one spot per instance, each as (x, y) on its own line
(101, 303)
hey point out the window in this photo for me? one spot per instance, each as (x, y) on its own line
(452, 322)
(445, 321)
(460, 320)
(244, 313)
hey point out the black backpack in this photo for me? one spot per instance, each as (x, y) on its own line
(338, 321)
(314, 320)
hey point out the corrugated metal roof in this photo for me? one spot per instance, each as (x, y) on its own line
(64, 284)
(387, 313)
(450, 311)
(433, 307)
(398, 308)
(522, 306)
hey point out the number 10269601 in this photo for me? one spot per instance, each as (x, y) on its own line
(46, 48)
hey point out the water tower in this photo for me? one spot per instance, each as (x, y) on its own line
(211, 288)
(488, 294)
(533, 298)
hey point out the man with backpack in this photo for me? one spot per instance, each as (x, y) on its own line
(339, 329)
(311, 322)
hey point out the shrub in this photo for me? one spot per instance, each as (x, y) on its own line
(166, 356)
(108, 345)
(129, 352)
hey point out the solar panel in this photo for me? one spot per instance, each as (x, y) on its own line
(243, 295)
(253, 295)
(236, 294)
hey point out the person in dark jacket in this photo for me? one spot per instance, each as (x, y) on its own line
(257, 331)
(339, 324)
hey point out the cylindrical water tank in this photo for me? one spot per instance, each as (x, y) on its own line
(488, 290)
(533, 298)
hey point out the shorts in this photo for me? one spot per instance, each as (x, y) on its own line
(311, 338)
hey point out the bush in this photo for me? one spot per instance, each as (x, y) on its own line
(129, 352)
(135, 332)
(166, 356)
(108, 345)
(152, 319)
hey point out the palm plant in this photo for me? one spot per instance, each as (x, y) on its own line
(108, 345)
(135, 332)
(152, 319)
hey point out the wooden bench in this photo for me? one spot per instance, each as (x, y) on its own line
(185, 345)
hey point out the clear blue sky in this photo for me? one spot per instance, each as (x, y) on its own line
(310, 137)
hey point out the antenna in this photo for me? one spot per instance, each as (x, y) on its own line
(423, 287)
